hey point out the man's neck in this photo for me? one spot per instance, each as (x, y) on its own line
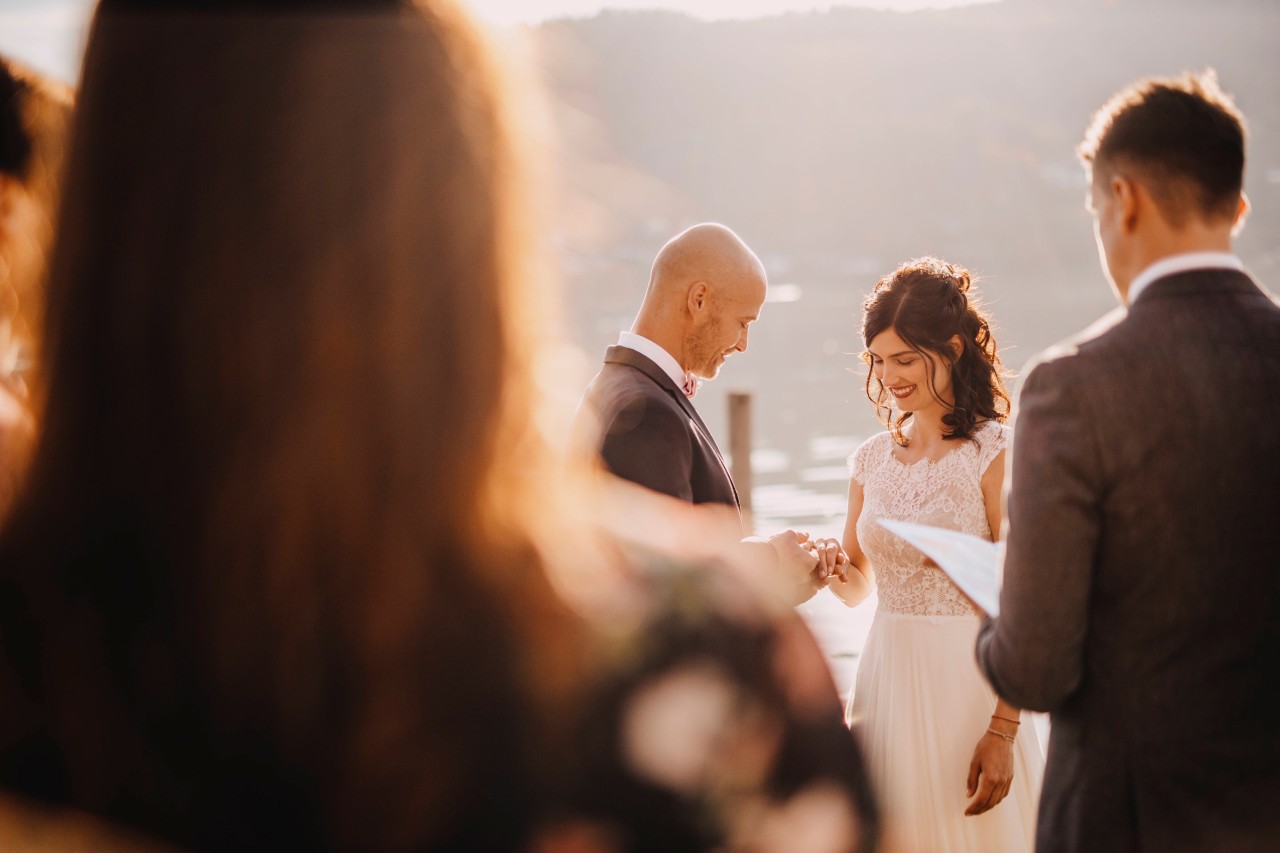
(1167, 243)
(673, 343)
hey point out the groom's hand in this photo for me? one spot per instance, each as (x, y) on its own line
(798, 560)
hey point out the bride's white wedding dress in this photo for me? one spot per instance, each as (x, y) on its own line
(920, 704)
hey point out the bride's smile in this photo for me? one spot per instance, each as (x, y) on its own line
(902, 370)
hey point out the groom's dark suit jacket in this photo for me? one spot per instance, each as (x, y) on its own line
(652, 435)
(1141, 601)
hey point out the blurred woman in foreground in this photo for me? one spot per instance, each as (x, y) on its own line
(286, 575)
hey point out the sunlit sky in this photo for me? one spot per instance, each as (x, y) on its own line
(49, 34)
(524, 11)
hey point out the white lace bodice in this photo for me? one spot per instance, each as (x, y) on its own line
(943, 493)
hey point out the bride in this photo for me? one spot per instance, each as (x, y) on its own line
(955, 769)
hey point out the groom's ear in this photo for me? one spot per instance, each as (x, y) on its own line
(699, 295)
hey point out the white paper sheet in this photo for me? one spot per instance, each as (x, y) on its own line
(973, 563)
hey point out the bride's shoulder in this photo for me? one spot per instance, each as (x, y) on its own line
(876, 447)
(993, 431)
(882, 440)
(991, 437)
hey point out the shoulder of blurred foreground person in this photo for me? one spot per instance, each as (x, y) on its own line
(713, 720)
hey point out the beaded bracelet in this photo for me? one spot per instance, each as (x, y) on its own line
(1006, 719)
(1009, 738)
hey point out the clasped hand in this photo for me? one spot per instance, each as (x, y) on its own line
(832, 561)
(812, 563)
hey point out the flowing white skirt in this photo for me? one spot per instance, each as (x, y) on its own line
(919, 706)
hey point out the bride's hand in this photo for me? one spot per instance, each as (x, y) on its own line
(990, 773)
(832, 561)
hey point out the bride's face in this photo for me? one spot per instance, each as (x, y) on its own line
(915, 381)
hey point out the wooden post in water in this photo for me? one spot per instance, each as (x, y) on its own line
(740, 451)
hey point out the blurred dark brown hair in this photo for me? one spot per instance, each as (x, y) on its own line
(927, 302)
(1182, 136)
(284, 511)
(34, 116)
(35, 113)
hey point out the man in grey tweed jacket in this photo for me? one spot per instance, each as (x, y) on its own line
(1141, 600)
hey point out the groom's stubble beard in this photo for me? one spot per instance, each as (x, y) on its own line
(705, 351)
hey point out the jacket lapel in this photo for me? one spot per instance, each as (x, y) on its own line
(631, 358)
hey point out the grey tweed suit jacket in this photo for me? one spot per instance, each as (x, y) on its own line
(1141, 600)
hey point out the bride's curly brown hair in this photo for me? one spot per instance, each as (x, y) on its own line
(927, 302)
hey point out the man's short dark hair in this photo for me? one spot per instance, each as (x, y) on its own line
(1182, 138)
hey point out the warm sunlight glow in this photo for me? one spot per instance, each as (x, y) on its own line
(530, 11)
(49, 34)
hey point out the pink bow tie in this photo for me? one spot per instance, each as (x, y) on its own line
(690, 385)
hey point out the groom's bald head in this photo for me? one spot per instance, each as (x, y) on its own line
(705, 288)
(708, 252)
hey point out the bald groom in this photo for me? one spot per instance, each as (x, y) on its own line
(705, 290)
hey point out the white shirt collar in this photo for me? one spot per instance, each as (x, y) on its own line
(1182, 263)
(654, 353)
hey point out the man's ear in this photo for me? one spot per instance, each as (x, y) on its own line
(1242, 213)
(699, 296)
(1127, 201)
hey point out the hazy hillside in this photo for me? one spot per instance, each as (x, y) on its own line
(842, 143)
